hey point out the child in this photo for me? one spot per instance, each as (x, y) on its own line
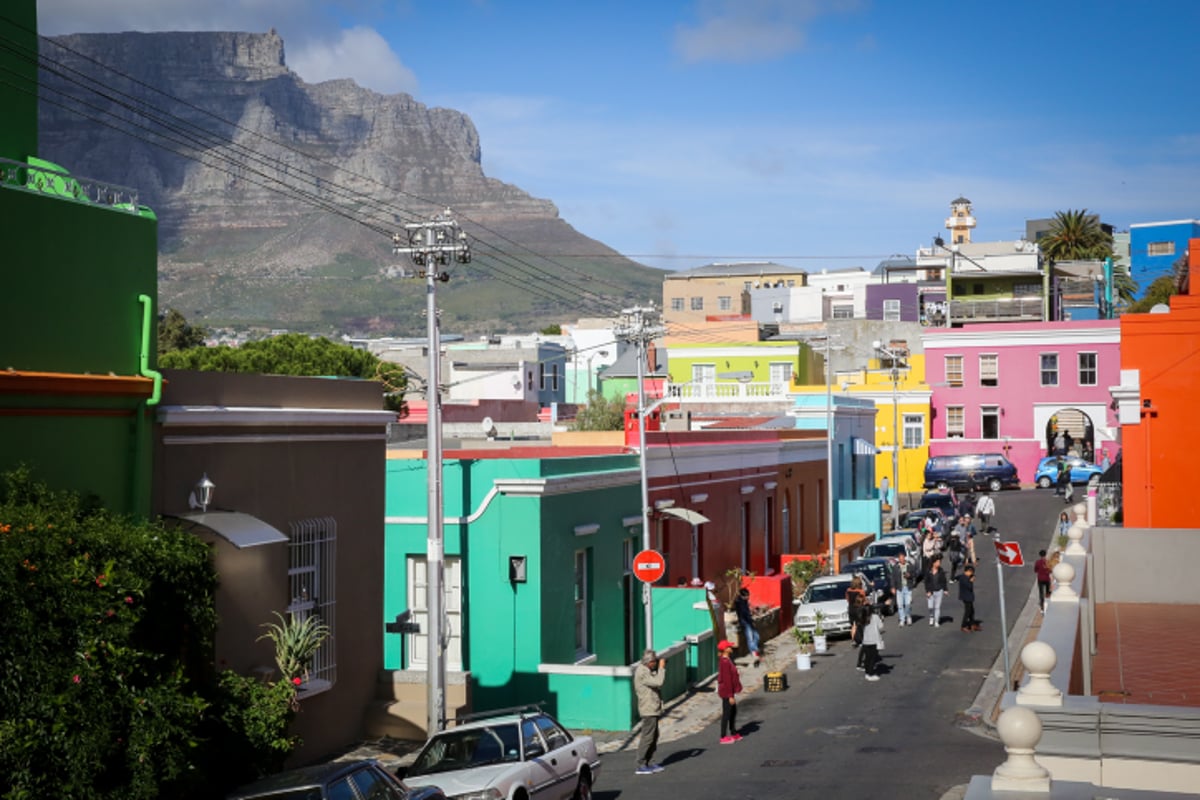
(872, 640)
(729, 683)
(1064, 524)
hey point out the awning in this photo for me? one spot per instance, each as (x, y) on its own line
(686, 514)
(240, 530)
(862, 447)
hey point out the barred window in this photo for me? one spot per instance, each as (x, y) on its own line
(311, 570)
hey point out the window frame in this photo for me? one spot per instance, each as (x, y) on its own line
(1157, 249)
(725, 303)
(312, 568)
(842, 312)
(1046, 371)
(677, 304)
(891, 310)
(912, 423)
(952, 431)
(987, 412)
(994, 360)
(1082, 370)
(949, 371)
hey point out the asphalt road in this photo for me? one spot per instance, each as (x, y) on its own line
(907, 735)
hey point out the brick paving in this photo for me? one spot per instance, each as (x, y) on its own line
(1147, 653)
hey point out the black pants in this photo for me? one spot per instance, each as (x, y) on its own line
(1043, 593)
(648, 742)
(968, 620)
(728, 717)
(871, 661)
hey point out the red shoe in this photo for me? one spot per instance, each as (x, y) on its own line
(727, 740)
(737, 737)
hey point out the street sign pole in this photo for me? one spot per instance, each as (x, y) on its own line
(1003, 625)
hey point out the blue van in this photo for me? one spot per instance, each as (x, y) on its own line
(971, 471)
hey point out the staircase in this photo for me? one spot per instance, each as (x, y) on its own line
(401, 709)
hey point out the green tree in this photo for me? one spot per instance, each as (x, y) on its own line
(294, 354)
(174, 333)
(551, 330)
(600, 414)
(1078, 236)
(1162, 289)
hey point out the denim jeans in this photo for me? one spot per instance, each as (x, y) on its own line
(935, 606)
(751, 634)
(905, 602)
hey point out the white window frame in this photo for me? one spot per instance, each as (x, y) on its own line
(953, 414)
(312, 572)
(843, 312)
(989, 366)
(1086, 371)
(891, 310)
(914, 430)
(677, 304)
(1048, 367)
(725, 303)
(951, 372)
(1160, 249)
(984, 413)
(697, 304)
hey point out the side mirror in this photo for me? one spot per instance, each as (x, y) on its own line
(534, 750)
(400, 772)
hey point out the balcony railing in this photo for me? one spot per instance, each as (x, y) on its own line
(1026, 308)
(729, 391)
(62, 184)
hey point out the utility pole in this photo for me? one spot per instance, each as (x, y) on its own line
(431, 245)
(639, 325)
(893, 356)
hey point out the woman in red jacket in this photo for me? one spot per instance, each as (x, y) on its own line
(729, 683)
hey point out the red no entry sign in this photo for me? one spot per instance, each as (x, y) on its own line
(1009, 554)
(649, 566)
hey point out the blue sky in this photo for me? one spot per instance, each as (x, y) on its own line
(821, 133)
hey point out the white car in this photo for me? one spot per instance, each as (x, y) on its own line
(505, 756)
(828, 596)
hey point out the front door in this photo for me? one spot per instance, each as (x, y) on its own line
(418, 643)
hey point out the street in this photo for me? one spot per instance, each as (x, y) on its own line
(841, 736)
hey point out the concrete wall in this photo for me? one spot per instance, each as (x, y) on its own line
(1132, 565)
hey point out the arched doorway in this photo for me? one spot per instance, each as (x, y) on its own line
(1078, 435)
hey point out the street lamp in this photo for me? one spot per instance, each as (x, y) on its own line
(827, 339)
(892, 356)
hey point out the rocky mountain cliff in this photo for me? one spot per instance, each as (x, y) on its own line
(276, 198)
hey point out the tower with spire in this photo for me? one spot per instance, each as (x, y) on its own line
(960, 221)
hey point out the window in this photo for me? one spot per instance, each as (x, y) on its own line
(582, 639)
(677, 304)
(1160, 249)
(914, 430)
(891, 310)
(1027, 290)
(554, 377)
(542, 375)
(777, 307)
(843, 312)
(1087, 369)
(1049, 369)
(311, 587)
(954, 370)
(724, 303)
(989, 370)
(745, 286)
(954, 422)
(989, 422)
(697, 304)
(791, 283)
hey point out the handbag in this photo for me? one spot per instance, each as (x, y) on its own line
(879, 646)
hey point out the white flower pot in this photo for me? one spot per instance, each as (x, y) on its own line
(803, 661)
(820, 643)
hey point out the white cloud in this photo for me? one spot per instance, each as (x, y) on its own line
(359, 53)
(751, 30)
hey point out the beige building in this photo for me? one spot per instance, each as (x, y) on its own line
(717, 296)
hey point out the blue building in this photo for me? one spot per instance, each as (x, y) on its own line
(1154, 247)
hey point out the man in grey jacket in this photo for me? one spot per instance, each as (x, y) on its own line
(648, 679)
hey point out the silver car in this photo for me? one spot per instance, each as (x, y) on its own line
(501, 757)
(826, 595)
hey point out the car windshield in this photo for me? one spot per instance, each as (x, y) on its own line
(825, 592)
(885, 548)
(466, 749)
(875, 572)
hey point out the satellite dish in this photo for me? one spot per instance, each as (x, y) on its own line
(1160, 308)
(489, 427)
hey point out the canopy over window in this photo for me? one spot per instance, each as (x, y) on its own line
(240, 530)
(686, 514)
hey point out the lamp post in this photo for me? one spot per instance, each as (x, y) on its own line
(827, 340)
(892, 356)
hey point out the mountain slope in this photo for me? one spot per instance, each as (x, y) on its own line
(276, 199)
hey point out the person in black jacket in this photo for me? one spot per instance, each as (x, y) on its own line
(935, 587)
(966, 593)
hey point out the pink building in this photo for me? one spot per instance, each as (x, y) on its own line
(1010, 388)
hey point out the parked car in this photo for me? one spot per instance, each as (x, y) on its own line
(1081, 471)
(912, 519)
(502, 754)
(363, 779)
(945, 501)
(828, 595)
(891, 545)
(971, 471)
(878, 572)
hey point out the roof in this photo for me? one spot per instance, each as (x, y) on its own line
(961, 201)
(737, 269)
(625, 366)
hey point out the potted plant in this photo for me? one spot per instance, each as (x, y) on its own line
(801, 572)
(804, 644)
(820, 642)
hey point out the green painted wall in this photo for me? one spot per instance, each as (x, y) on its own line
(18, 90)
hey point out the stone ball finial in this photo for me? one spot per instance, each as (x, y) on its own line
(1075, 540)
(1020, 730)
(1039, 659)
(1080, 512)
(1063, 574)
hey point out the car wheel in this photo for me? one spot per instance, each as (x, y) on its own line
(1043, 482)
(584, 790)
(995, 485)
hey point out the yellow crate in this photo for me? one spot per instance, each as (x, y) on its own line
(775, 682)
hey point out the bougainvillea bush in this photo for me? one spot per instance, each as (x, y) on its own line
(107, 687)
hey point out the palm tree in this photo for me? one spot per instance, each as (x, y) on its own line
(1076, 236)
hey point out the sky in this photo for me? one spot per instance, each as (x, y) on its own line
(825, 134)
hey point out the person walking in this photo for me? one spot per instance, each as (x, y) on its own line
(858, 623)
(1064, 524)
(955, 545)
(908, 579)
(1041, 568)
(729, 683)
(872, 642)
(966, 593)
(986, 509)
(648, 681)
(1064, 479)
(935, 587)
(746, 622)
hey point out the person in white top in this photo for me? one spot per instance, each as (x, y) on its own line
(986, 509)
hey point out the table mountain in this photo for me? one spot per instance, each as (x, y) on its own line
(276, 198)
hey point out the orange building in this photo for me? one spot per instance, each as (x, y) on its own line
(1158, 409)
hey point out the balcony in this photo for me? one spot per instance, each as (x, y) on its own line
(997, 310)
(729, 392)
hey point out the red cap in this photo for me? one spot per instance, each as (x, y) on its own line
(724, 645)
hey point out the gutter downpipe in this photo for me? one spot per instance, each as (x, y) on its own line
(139, 490)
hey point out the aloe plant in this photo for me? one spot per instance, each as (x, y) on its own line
(295, 643)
